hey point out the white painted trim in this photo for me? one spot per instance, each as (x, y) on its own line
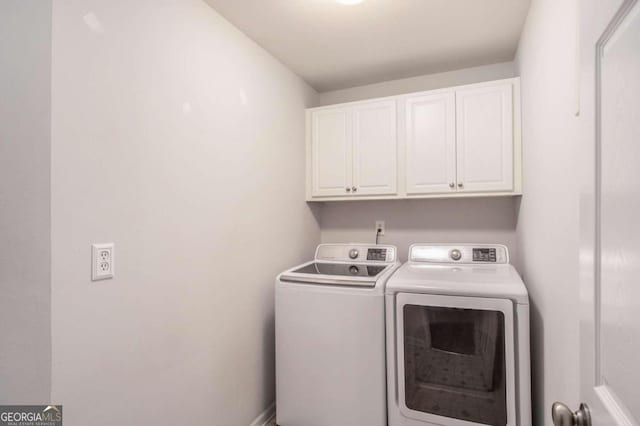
(421, 93)
(417, 197)
(517, 137)
(266, 416)
(614, 406)
(307, 137)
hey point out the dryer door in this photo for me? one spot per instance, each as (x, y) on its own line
(456, 359)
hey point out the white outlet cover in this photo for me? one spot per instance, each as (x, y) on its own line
(102, 261)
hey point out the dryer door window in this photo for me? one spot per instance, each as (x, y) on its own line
(454, 362)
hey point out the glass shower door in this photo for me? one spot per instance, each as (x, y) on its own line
(456, 359)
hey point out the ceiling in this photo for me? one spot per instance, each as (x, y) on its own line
(334, 46)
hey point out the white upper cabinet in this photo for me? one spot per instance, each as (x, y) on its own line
(430, 153)
(374, 148)
(456, 142)
(353, 150)
(484, 119)
(331, 156)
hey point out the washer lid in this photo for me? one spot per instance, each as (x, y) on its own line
(500, 281)
(339, 274)
(341, 269)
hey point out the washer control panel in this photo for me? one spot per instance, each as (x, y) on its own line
(459, 253)
(356, 253)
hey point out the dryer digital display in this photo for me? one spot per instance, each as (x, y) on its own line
(484, 255)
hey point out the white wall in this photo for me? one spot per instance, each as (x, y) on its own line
(25, 294)
(473, 220)
(423, 82)
(180, 140)
(547, 228)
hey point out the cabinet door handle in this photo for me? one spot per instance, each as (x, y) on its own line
(452, 185)
(347, 189)
(354, 189)
(460, 185)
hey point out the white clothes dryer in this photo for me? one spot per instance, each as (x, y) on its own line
(457, 319)
(330, 337)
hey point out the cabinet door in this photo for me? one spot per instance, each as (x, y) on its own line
(331, 152)
(484, 118)
(430, 144)
(374, 148)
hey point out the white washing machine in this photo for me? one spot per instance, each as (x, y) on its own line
(457, 318)
(330, 337)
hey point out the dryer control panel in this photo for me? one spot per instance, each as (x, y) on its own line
(459, 253)
(484, 254)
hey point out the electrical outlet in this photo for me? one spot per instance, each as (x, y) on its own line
(102, 261)
(380, 227)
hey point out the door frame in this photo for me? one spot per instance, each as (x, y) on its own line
(505, 306)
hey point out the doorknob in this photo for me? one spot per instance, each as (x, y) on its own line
(563, 416)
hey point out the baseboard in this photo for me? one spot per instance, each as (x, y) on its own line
(266, 416)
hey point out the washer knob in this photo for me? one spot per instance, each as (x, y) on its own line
(455, 254)
(353, 253)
